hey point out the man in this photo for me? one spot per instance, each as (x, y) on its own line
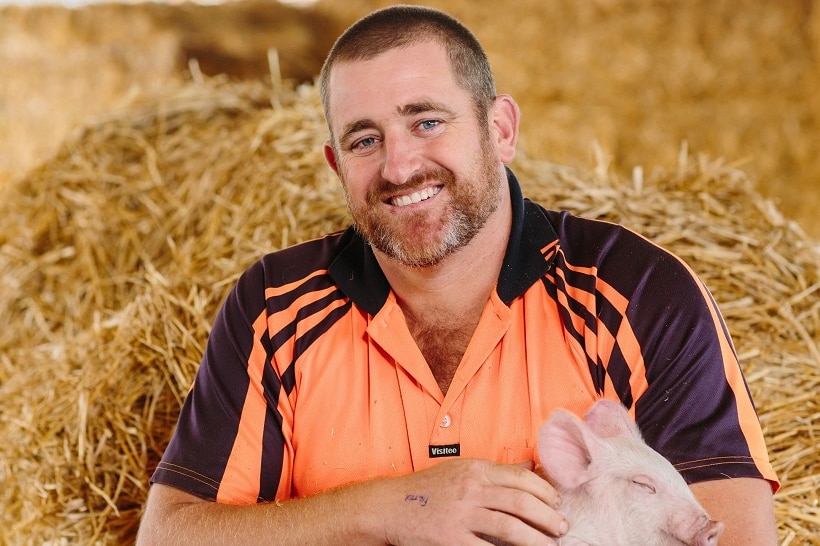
(384, 385)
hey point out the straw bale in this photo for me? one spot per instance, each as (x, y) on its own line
(59, 66)
(116, 253)
(114, 256)
(62, 67)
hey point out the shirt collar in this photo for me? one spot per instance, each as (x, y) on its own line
(357, 273)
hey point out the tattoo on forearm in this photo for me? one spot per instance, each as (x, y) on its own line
(421, 499)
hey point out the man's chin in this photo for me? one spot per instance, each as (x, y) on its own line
(413, 258)
(417, 245)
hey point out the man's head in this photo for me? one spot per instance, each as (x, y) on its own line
(418, 137)
(400, 26)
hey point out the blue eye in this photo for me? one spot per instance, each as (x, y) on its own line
(363, 143)
(429, 124)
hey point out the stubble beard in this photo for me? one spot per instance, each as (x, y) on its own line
(417, 240)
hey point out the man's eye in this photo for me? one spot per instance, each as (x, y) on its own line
(429, 124)
(363, 143)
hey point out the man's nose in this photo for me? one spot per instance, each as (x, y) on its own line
(401, 159)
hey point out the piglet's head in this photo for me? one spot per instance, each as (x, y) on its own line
(573, 452)
(616, 489)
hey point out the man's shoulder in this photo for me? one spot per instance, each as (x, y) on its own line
(294, 265)
(591, 242)
(303, 259)
(620, 256)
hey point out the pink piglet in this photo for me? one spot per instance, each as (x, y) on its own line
(616, 490)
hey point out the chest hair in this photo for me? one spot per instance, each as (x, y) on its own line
(443, 347)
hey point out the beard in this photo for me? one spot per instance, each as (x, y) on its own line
(419, 239)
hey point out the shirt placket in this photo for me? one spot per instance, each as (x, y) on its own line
(420, 395)
(434, 420)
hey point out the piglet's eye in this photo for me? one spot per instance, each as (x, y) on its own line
(645, 483)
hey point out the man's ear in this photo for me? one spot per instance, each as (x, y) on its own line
(504, 120)
(330, 157)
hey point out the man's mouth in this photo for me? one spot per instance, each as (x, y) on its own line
(415, 197)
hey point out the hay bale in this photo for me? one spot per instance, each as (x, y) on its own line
(115, 255)
(62, 67)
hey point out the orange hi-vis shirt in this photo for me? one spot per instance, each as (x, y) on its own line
(311, 379)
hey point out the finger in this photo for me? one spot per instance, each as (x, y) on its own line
(527, 509)
(500, 528)
(526, 465)
(541, 472)
(518, 477)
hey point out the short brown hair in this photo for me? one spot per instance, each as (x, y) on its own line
(402, 25)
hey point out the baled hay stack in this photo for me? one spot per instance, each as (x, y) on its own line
(49, 52)
(116, 253)
(47, 55)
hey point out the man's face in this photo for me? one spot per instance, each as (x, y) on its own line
(420, 173)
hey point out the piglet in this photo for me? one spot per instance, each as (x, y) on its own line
(616, 490)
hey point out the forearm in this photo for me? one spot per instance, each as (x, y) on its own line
(173, 517)
(454, 502)
(745, 507)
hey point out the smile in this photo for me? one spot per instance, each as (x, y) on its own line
(415, 197)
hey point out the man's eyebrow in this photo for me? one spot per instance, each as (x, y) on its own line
(354, 127)
(421, 107)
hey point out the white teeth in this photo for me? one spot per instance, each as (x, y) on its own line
(415, 197)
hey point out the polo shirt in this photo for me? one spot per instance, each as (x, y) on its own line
(311, 379)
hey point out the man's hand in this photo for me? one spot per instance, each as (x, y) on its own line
(458, 501)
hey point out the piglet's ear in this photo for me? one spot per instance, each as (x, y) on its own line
(609, 419)
(567, 448)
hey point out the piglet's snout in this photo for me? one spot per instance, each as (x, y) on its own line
(701, 531)
(708, 536)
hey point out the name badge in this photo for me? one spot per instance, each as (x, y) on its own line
(452, 450)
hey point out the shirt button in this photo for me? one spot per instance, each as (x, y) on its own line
(445, 422)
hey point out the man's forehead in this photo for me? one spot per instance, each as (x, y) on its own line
(398, 81)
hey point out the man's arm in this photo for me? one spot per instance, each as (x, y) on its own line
(744, 505)
(452, 503)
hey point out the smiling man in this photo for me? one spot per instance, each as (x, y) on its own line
(385, 384)
(422, 176)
